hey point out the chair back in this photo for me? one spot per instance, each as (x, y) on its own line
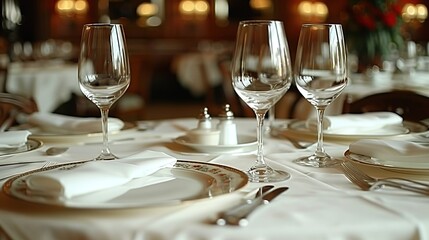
(411, 106)
(11, 105)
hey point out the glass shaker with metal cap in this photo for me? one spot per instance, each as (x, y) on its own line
(227, 127)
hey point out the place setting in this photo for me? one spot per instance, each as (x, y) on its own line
(52, 127)
(15, 142)
(392, 155)
(352, 126)
(130, 177)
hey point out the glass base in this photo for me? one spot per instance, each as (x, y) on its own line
(266, 174)
(104, 156)
(317, 161)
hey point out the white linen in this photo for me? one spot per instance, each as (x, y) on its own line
(392, 150)
(97, 175)
(57, 123)
(49, 84)
(356, 123)
(318, 198)
(13, 139)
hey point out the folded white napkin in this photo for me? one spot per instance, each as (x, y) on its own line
(13, 139)
(57, 123)
(356, 123)
(391, 150)
(97, 175)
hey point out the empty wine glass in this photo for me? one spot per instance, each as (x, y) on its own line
(261, 74)
(104, 72)
(320, 75)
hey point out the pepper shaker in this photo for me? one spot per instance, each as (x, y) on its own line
(227, 127)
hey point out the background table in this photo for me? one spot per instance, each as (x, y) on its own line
(49, 83)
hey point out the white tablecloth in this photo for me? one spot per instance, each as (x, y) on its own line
(49, 83)
(321, 203)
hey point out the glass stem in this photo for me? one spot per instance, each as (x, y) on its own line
(259, 135)
(320, 151)
(104, 127)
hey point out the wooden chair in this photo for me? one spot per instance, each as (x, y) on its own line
(11, 105)
(409, 105)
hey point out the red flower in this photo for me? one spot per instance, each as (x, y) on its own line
(366, 21)
(389, 18)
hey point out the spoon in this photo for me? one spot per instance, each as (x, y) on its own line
(53, 151)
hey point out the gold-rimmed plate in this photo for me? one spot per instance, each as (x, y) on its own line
(49, 137)
(192, 181)
(30, 145)
(298, 129)
(407, 166)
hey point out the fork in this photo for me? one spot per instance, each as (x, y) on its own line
(45, 166)
(368, 183)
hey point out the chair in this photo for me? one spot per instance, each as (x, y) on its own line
(411, 106)
(11, 105)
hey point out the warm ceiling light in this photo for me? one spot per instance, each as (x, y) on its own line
(422, 12)
(80, 6)
(314, 11)
(186, 7)
(147, 9)
(304, 8)
(320, 9)
(260, 4)
(411, 12)
(65, 5)
(189, 7)
(201, 7)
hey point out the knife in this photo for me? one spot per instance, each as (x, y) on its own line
(19, 163)
(238, 216)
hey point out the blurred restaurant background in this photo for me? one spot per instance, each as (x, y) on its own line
(179, 49)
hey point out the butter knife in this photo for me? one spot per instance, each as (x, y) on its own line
(238, 215)
(19, 163)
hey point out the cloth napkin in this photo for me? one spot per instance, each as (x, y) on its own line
(58, 123)
(13, 139)
(356, 123)
(391, 150)
(97, 175)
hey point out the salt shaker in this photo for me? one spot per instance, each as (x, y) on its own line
(204, 132)
(227, 127)
(204, 119)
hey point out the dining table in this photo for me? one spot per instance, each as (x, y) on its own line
(320, 203)
(49, 82)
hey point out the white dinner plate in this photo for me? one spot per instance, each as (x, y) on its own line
(298, 129)
(192, 181)
(407, 166)
(245, 144)
(48, 137)
(30, 145)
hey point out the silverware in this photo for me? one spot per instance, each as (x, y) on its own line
(46, 165)
(238, 215)
(19, 163)
(368, 183)
(53, 151)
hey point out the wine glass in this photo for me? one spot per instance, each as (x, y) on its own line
(320, 75)
(104, 71)
(261, 74)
